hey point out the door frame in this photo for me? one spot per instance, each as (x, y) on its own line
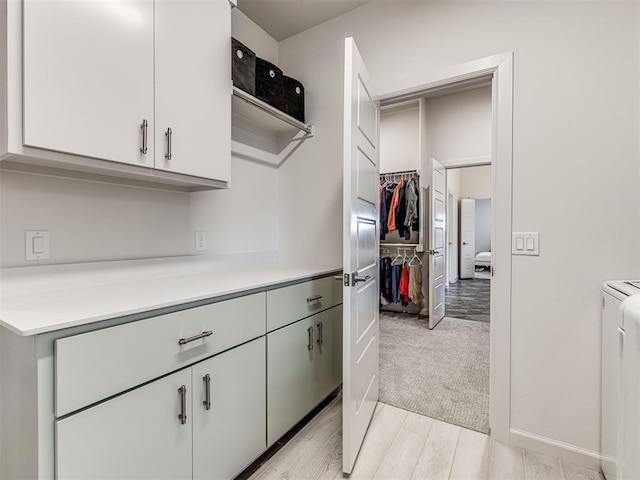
(498, 69)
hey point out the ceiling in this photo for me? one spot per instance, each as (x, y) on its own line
(284, 18)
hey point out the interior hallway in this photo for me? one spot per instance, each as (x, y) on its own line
(469, 299)
(403, 445)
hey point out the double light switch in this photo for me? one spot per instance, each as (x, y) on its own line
(525, 243)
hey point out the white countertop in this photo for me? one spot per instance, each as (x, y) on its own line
(37, 300)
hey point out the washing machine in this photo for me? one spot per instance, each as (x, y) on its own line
(614, 294)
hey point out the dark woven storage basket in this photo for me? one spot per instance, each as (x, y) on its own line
(243, 67)
(293, 98)
(269, 83)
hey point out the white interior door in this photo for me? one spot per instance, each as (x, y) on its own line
(467, 237)
(437, 189)
(360, 255)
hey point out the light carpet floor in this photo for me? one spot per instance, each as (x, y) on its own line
(441, 373)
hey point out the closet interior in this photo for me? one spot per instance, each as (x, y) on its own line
(400, 253)
(403, 265)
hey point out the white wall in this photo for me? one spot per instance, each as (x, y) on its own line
(399, 140)
(575, 169)
(483, 225)
(459, 126)
(475, 182)
(246, 31)
(90, 221)
(453, 186)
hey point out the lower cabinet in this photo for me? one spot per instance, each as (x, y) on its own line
(204, 422)
(304, 365)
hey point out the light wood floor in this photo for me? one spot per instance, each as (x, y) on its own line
(403, 445)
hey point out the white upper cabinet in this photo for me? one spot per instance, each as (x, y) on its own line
(193, 87)
(88, 77)
(93, 87)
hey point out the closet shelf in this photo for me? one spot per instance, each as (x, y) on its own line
(265, 116)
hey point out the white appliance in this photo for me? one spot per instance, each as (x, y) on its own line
(629, 416)
(614, 293)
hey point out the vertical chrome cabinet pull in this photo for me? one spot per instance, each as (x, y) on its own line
(144, 126)
(207, 392)
(168, 135)
(319, 325)
(183, 404)
(310, 343)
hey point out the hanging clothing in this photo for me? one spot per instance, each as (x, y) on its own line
(385, 278)
(384, 215)
(415, 283)
(396, 273)
(401, 210)
(391, 223)
(412, 196)
(404, 285)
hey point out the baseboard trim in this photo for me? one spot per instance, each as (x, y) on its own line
(561, 450)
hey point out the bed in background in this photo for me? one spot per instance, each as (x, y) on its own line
(483, 260)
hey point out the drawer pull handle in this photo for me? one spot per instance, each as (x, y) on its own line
(310, 343)
(314, 298)
(320, 341)
(183, 404)
(207, 392)
(184, 341)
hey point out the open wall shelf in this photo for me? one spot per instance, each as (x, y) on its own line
(264, 115)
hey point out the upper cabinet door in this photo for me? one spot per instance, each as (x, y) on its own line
(88, 77)
(193, 87)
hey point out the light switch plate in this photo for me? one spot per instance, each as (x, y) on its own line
(525, 243)
(36, 245)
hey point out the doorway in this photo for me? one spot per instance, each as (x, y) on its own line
(431, 362)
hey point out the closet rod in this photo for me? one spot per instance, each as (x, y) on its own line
(407, 245)
(399, 172)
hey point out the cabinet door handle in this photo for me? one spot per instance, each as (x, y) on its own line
(314, 298)
(310, 343)
(320, 341)
(144, 127)
(183, 404)
(207, 392)
(184, 341)
(168, 135)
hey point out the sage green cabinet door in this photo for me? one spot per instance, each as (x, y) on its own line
(137, 435)
(229, 435)
(303, 367)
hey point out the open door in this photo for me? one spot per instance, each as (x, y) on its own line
(437, 189)
(467, 238)
(360, 255)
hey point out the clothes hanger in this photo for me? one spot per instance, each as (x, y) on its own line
(415, 257)
(398, 257)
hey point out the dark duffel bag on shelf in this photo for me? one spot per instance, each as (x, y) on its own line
(243, 67)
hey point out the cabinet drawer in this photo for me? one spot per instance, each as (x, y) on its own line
(288, 304)
(96, 365)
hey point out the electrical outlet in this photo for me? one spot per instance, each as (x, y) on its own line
(201, 241)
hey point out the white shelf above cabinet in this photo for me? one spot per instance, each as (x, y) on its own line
(265, 117)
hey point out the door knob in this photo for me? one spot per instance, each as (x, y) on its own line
(465, 243)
